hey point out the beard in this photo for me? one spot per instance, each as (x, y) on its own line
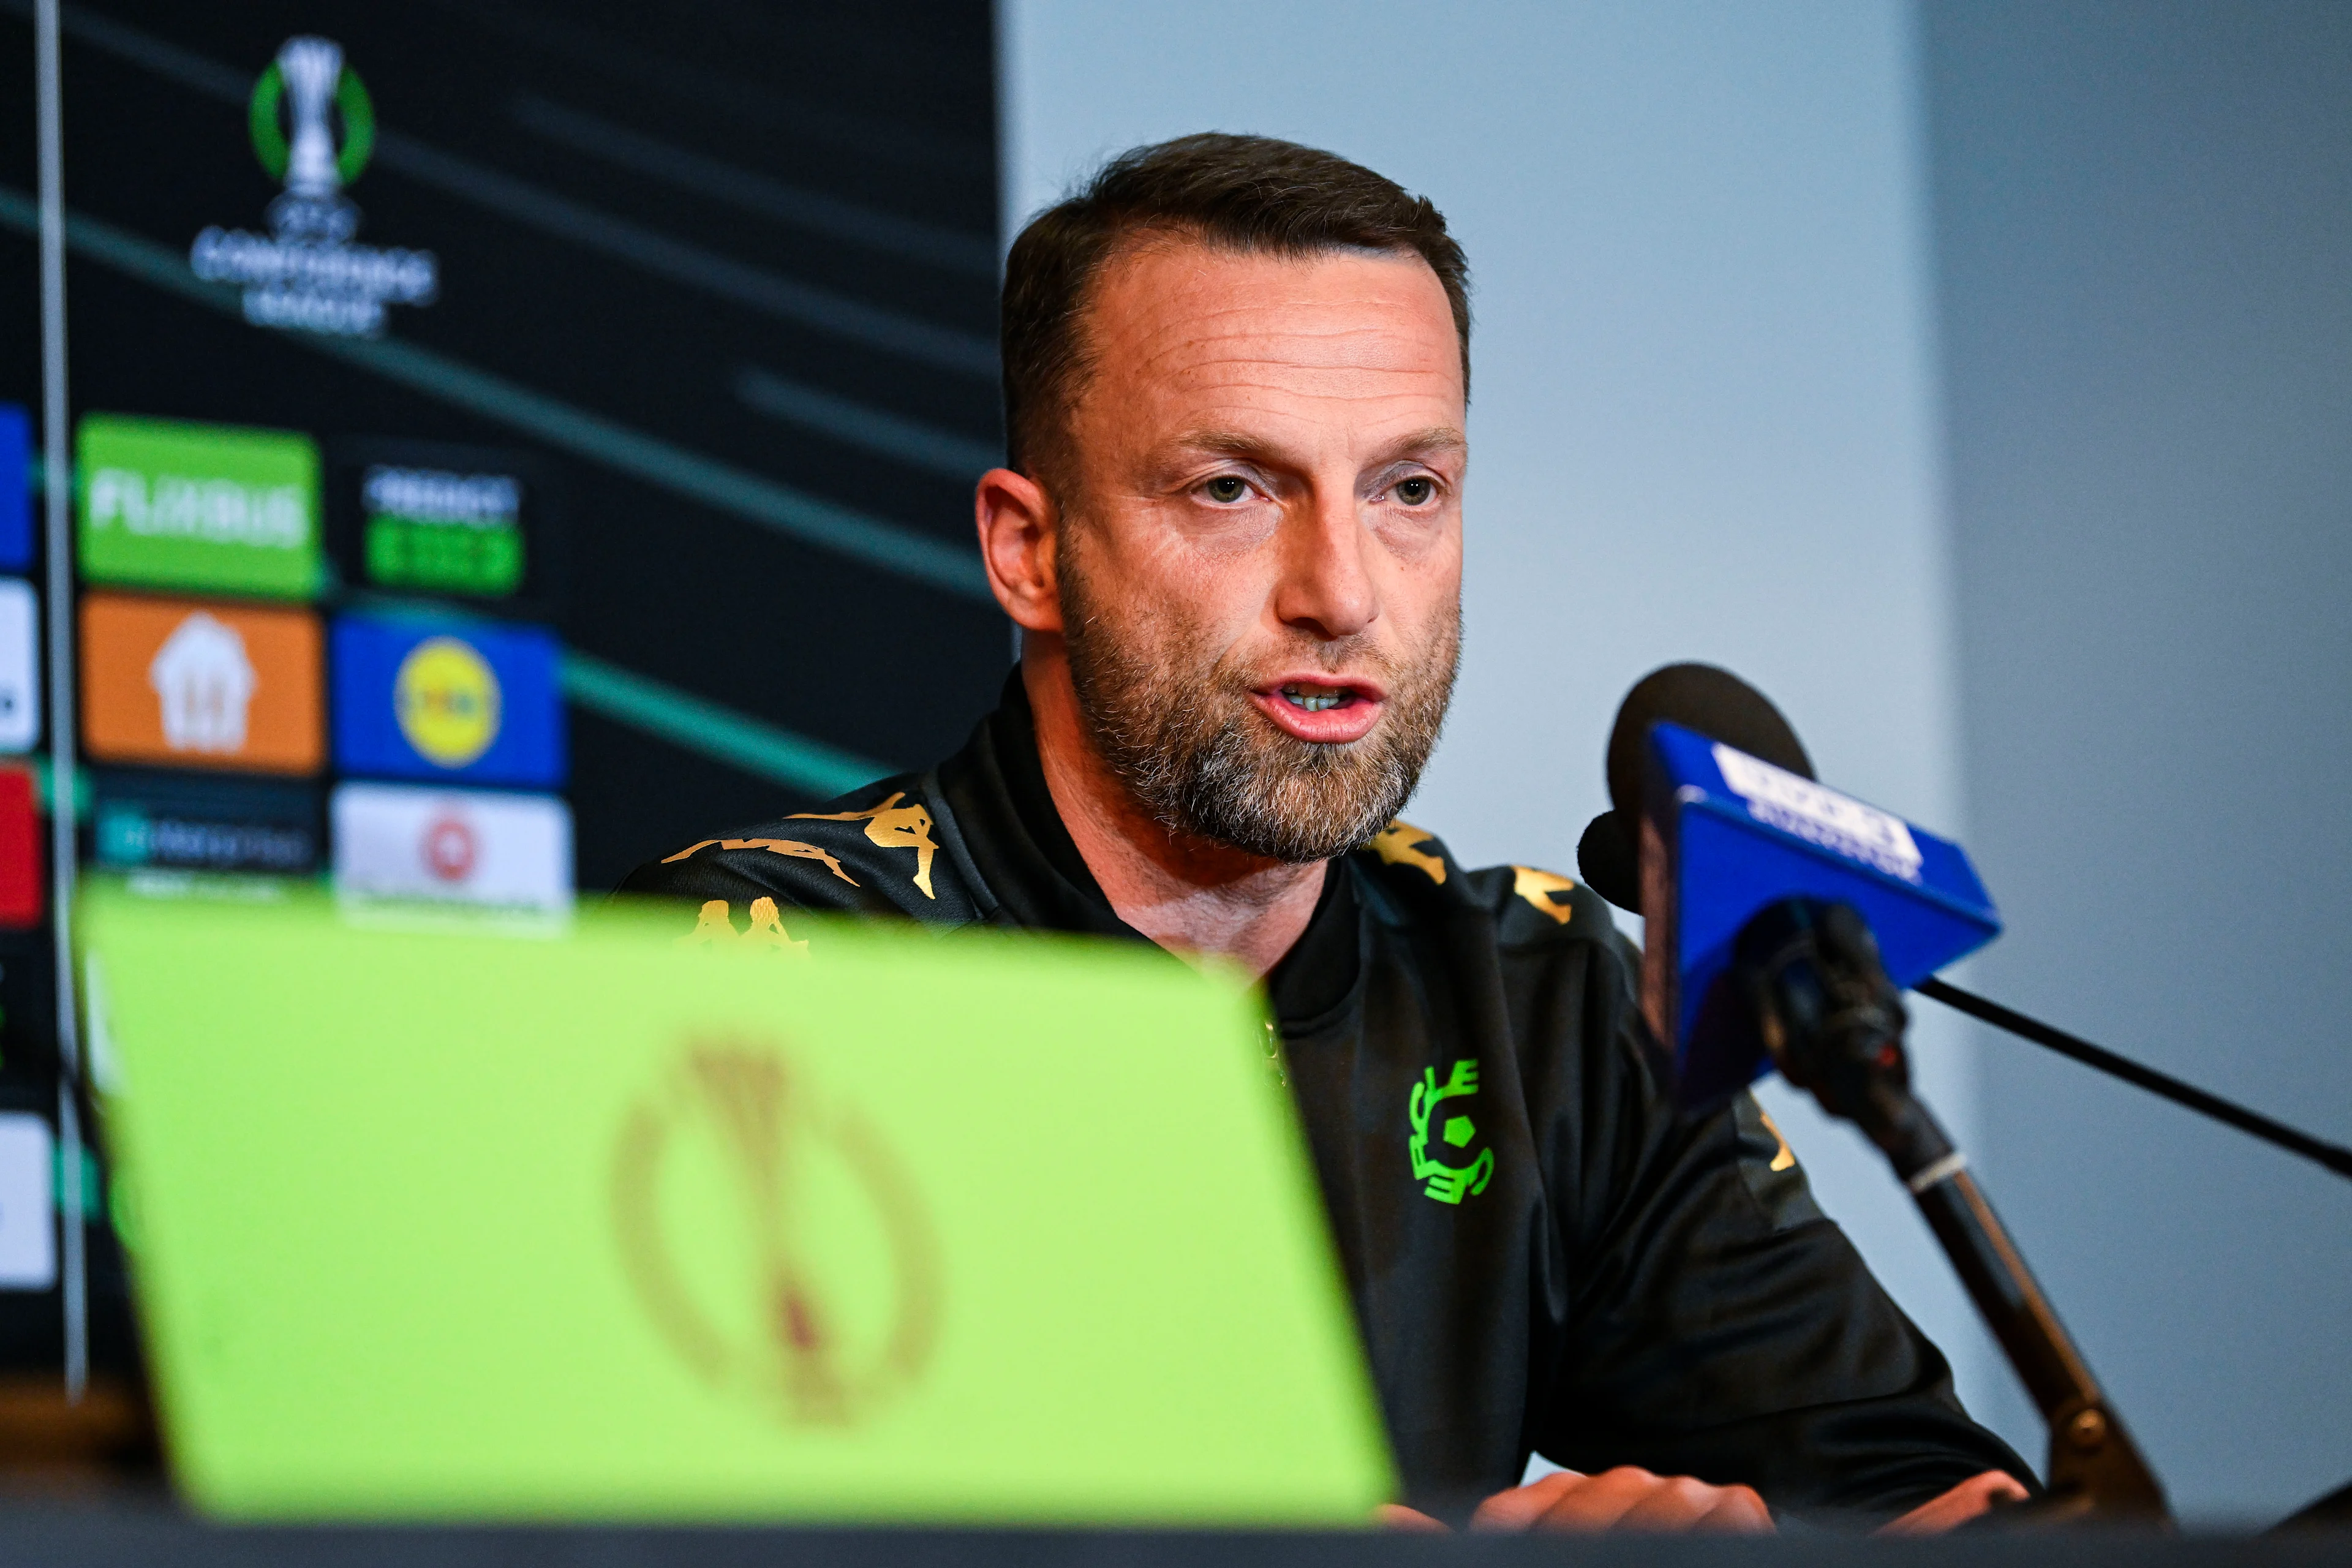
(1175, 722)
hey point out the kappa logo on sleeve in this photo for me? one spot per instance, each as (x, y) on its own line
(892, 827)
(1546, 891)
(1446, 1183)
(715, 927)
(1403, 844)
(792, 847)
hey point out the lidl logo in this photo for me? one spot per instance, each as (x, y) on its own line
(473, 703)
(184, 683)
(168, 504)
(446, 697)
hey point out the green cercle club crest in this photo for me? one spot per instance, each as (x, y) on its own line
(351, 102)
(1446, 1183)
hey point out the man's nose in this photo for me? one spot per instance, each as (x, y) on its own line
(1326, 587)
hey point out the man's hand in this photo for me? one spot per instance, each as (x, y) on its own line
(1623, 1498)
(1631, 1499)
(1976, 1495)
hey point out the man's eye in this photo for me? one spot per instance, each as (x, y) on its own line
(1226, 488)
(1415, 492)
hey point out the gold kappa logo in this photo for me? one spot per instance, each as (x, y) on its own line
(772, 1236)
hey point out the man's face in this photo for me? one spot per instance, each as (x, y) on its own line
(1260, 563)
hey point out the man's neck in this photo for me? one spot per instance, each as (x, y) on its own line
(1187, 895)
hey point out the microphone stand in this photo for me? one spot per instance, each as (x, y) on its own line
(1833, 1022)
(2334, 1510)
(2334, 1156)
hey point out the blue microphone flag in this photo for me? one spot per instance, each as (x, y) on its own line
(1724, 835)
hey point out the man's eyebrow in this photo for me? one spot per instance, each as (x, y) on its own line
(1225, 443)
(1437, 440)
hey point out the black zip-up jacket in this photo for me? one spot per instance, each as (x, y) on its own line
(1542, 1254)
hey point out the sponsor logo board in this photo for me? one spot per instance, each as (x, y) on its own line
(403, 841)
(165, 503)
(20, 666)
(183, 683)
(29, 1234)
(164, 821)
(472, 702)
(15, 487)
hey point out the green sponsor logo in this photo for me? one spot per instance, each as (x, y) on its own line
(443, 533)
(1446, 1183)
(166, 504)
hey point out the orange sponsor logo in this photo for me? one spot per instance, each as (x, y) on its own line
(190, 684)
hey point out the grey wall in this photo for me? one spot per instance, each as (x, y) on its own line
(2144, 221)
(1707, 425)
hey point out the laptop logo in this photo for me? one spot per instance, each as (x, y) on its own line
(773, 1240)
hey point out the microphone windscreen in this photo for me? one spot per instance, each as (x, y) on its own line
(1609, 862)
(1714, 702)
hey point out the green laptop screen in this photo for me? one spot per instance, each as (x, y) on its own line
(587, 1222)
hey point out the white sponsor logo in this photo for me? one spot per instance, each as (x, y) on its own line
(20, 666)
(398, 841)
(477, 501)
(1834, 821)
(205, 682)
(29, 1232)
(221, 512)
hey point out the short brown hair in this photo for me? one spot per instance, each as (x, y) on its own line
(1244, 192)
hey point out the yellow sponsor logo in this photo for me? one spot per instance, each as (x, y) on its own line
(446, 697)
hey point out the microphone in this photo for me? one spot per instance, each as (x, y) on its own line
(1710, 1062)
(1714, 702)
(1712, 785)
(1784, 919)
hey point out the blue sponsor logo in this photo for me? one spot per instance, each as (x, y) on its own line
(468, 701)
(15, 488)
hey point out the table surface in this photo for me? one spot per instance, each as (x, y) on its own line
(101, 1533)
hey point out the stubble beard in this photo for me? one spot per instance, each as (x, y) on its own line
(1177, 727)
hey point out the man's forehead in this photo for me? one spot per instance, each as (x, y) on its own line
(1180, 317)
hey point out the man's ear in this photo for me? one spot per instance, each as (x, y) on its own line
(1019, 542)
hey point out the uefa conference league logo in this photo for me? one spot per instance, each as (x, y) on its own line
(306, 273)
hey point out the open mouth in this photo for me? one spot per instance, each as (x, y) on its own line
(1323, 711)
(1313, 698)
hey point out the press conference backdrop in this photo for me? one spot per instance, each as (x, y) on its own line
(507, 438)
(666, 445)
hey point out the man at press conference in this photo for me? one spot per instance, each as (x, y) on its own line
(1236, 374)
